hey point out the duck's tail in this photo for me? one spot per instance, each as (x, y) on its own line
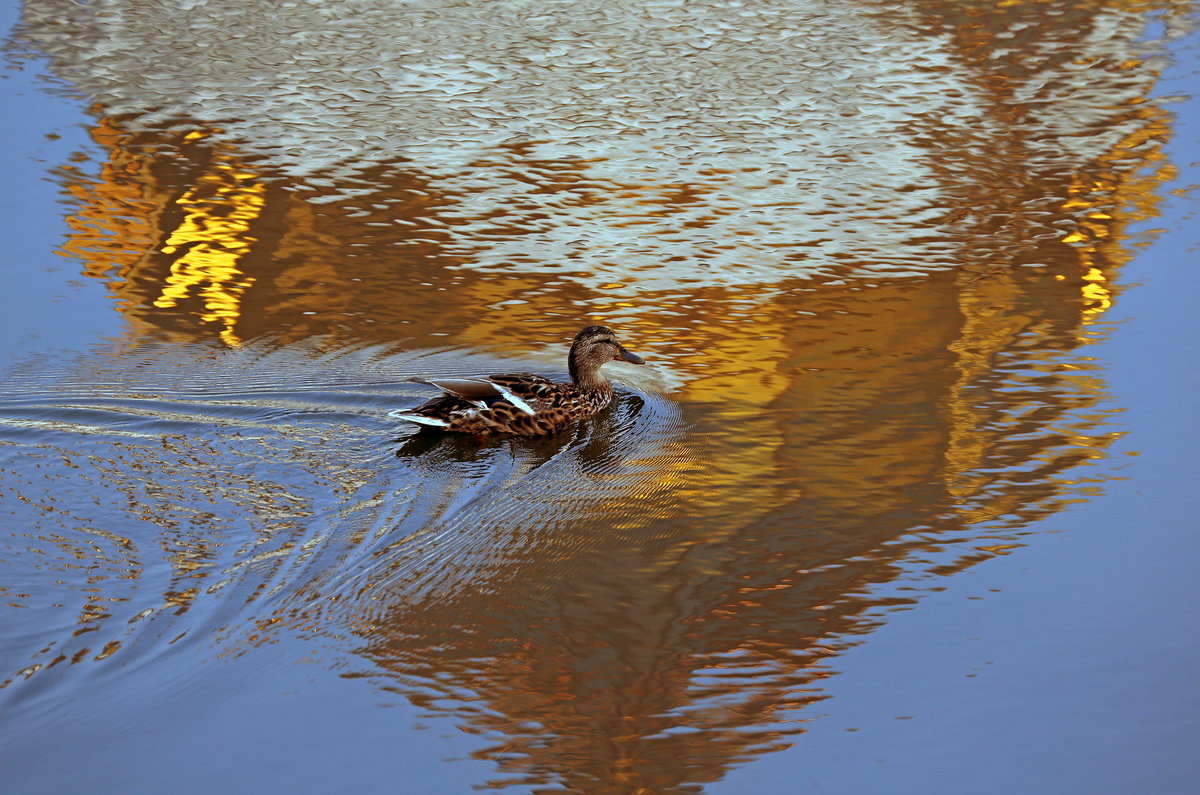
(419, 419)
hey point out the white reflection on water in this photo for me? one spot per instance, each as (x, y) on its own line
(701, 143)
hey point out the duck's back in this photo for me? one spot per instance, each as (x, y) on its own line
(519, 403)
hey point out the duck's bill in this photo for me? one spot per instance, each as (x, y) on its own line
(632, 358)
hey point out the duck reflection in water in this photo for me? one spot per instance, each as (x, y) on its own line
(523, 403)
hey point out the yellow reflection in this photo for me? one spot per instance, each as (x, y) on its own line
(1095, 293)
(213, 237)
(1123, 190)
(136, 229)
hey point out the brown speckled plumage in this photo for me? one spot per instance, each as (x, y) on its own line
(522, 403)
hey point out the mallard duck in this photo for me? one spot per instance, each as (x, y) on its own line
(523, 403)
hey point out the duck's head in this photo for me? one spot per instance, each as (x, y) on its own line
(594, 346)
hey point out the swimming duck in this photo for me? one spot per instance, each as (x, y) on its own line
(523, 403)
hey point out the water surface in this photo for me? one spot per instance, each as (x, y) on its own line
(878, 258)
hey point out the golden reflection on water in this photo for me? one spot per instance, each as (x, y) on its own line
(652, 618)
(827, 421)
(208, 242)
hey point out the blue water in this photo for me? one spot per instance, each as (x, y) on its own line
(284, 604)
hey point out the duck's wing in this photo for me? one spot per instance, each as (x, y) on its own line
(476, 390)
(519, 390)
(527, 387)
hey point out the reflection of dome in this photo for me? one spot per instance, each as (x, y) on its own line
(700, 143)
(839, 432)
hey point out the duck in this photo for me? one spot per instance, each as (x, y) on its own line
(525, 404)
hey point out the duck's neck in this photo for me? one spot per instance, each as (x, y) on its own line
(586, 377)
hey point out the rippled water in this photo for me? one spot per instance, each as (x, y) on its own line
(868, 250)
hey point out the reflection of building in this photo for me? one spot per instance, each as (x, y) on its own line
(841, 426)
(657, 650)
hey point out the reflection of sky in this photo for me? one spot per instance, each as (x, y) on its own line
(43, 306)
